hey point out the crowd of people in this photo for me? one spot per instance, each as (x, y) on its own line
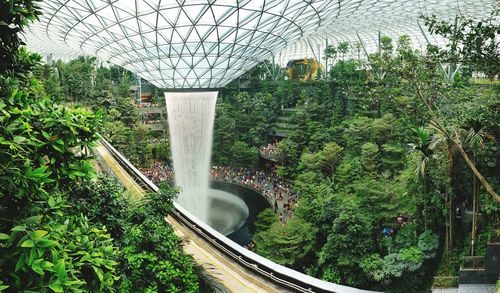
(278, 192)
(270, 149)
(154, 140)
(148, 105)
(158, 172)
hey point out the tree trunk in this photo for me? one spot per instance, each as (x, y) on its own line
(459, 147)
(450, 196)
(477, 174)
(475, 212)
(425, 205)
(450, 214)
(447, 227)
(473, 234)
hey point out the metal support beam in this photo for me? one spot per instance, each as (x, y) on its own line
(429, 43)
(363, 46)
(312, 50)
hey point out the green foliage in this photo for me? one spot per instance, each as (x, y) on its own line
(243, 154)
(58, 251)
(288, 244)
(153, 259)
(38, 142)
(43, 149)
(405, 258)
(369, 158)
(151, 256)
(472, 41)
(14, 17)
(265, 220)
(48, 192)
(101, 200)
(339, 256)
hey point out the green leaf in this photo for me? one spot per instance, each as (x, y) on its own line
(108, 250)
(46, 135)
(32, 255)
(45, 243)
(4, 236)
(38, 234)
(98, 271)
(56, 287)
(77, 173)
(31, 220)
(39, 172)
(20, 262)
(18, 228)
(28, 243)
(37, 269)
(52, 202)
(46, 265)
(58, 148)
(60, 269)
(19, 139)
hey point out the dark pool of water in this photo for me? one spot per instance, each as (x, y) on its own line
(255, 203)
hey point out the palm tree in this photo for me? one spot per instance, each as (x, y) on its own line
(440, 139)
(474, 138)
(456, 142)
(425, 156)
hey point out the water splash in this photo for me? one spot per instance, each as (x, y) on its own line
(191, 120)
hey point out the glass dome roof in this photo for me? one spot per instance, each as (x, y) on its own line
(177, 44)
(208, 43)
(359, 22)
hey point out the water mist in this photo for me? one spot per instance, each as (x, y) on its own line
(191, 120)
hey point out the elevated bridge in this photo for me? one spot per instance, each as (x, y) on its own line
(227, 266)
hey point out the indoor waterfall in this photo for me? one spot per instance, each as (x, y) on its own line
(191, 120)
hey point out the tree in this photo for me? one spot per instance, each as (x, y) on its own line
(474, 138)
(343, 48)
(479, 48)
(425, 155)
(265, 220)
(369, 158)
(42, 245)
(290, 244)
(243, 154)
(329, 158)
(225, 134)
(286, 152)
(348, 242)
(441, 140)
(472, 42)
(330, 53)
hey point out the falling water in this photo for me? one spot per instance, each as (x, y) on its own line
(191, 120)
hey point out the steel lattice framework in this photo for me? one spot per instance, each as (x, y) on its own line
(359, 22)
(208, 43)
(177, 44)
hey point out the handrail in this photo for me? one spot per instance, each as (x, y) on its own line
(236, 182)
(276, 273)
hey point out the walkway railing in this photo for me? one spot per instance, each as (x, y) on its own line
(255, 263)
(237, 182)
(268, 156)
